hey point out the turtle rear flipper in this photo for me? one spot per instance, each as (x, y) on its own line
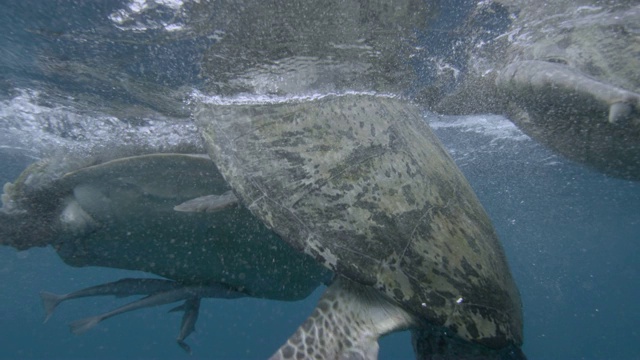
(346, 324)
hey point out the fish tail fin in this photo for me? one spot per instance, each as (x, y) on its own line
(50, 301)
(184, 346)
(83, 325)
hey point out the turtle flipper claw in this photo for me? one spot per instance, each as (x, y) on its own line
(620, 112)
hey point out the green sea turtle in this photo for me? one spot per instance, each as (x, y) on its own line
(385, 207)
(360, 183)
(357, 182)
(566, 72)
(121, 213)
(170, 214)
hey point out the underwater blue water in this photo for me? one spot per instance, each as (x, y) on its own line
(571, 235)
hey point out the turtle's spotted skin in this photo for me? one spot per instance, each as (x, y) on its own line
(354, 315)
(360, 183)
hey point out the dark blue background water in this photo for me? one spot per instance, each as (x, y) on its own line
(572, 236)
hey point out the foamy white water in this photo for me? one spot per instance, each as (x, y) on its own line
(38, 130)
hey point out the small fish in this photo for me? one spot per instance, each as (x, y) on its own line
(209, 203)
(191, 308)
(120, 288)
(219, 291)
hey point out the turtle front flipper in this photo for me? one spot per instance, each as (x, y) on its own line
(590, 121)
(548, 85)
(346, 324)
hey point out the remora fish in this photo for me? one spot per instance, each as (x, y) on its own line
(121, 288)
(165, 297)
(191, 308)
